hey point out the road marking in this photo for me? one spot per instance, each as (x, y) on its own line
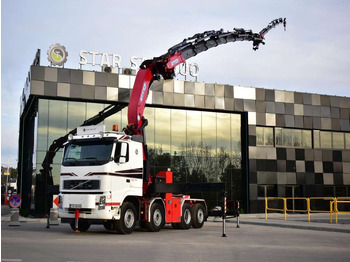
(11, 260)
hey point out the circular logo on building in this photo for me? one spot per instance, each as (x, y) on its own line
(57, 54)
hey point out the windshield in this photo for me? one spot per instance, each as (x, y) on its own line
(88, 153)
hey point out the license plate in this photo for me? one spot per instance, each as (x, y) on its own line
(75, 205)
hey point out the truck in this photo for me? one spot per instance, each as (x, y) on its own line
(105, 175)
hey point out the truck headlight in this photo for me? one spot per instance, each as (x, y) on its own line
(102, 203)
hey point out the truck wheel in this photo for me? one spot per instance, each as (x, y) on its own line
(83, 225)
(127, 221)
(198, 215)
(186, 219)
(157, 218)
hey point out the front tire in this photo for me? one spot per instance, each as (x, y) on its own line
(126, 223)
(157, 218)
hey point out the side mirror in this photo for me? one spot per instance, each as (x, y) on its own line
(122, 160)
(123, 150)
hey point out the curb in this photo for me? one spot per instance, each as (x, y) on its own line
(305, 227)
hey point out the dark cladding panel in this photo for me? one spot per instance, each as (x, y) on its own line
(77, 77)
(307, 99)
(63, 75)
(270, 95)
(37, 73)
(112, 80)
(325, 101)
(270, 107)
(298, 98)
(260, 94)
(238, 104)
(228, 91)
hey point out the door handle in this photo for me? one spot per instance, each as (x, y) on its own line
(128, 181)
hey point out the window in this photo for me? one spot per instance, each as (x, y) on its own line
(287, 137)
(326, 139)
(336, 140)
(264, 136)
(293, 137)
(306, 140)
(118, 152)
(88, 153)
(347, 140)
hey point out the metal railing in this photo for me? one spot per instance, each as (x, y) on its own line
(333, 206)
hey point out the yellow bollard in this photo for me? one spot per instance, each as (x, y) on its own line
(265, 208)
(331, 211)
(308, 209)
(336, 210)
(285, 208)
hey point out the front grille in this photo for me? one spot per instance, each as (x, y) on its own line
(81, 184)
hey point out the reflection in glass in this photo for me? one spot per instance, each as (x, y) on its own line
(268, 136)
(306, 138)
(57, 120)
(76, 114)
(194, 131)
(149, 115)
(209, 121)
(287, 137)
(278, 136)
(347, 140)
(326, 139)
(162, 132)
(236, 134)
(297, 138)
(178, 131)
(338, 140)
(92, 109)
(223, 136)
(316, 139)
(259, 136)
(43, 123)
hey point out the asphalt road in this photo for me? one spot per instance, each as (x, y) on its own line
(33, 242)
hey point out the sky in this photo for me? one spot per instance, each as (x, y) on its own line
(312, 55)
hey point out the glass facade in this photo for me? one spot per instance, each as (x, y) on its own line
(328, 140)
(198, 146)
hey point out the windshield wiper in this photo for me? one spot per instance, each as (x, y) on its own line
(69, 159)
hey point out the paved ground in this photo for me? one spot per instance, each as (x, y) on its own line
(255, 240)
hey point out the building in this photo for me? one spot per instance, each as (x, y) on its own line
(261, 142)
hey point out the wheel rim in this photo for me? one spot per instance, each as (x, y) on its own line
(129, 218)
(157, 217)
(200, 215)
(187, 216)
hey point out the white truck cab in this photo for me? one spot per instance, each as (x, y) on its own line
(99, 170)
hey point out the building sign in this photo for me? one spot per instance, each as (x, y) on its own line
(95, 58)
(57, 54)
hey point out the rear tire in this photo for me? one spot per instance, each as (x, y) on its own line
(198, 215)
(157, 218)
(186, 218)
(126, 223)
(83, 225)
